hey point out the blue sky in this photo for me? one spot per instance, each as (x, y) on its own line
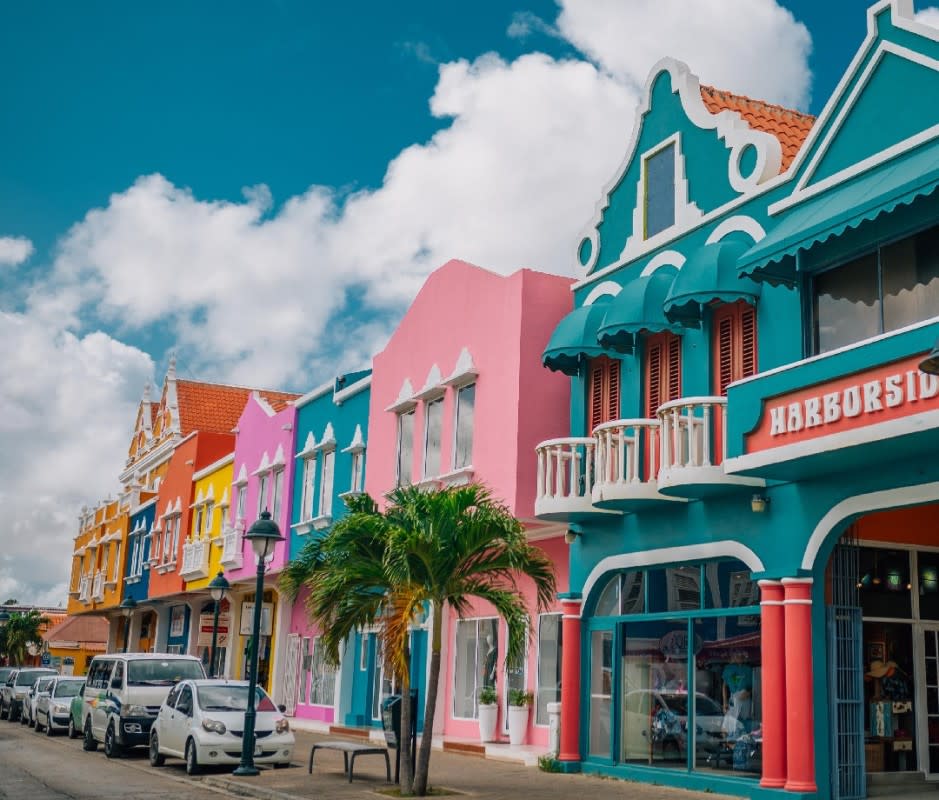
(262, 188)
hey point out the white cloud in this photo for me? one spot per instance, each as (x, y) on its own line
(14, 250)
(928, 16)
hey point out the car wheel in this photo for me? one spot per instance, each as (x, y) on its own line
(111, 748)
(156, 759)
(38, 726)
(72, 730)
(89, 745)
(192, 761)
(48, 728)
(3, 712)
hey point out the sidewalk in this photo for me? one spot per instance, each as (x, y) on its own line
(469, 775)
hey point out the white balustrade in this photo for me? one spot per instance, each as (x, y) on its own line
(627, 451)
(84, 588)
(688, 432)
(231, 547)
(565, 477)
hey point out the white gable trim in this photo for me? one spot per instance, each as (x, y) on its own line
(605, 289)
(667, 258)
(740, 223)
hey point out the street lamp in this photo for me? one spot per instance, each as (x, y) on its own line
(127, 607)
(263, 535)
(930, 364)
(217, 589)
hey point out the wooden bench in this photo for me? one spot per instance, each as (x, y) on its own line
(349, 752)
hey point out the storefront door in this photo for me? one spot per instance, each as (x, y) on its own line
(928, 681)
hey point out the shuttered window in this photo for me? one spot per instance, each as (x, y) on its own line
(734, 334)
(603, 392)
(662, 371)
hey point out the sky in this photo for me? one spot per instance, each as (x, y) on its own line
(261, 188)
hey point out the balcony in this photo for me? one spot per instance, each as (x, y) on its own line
(97, 592)
(195, 560)
(84, 589)
(627, 451)
(566, 480)
(231, 547)
(694, 447)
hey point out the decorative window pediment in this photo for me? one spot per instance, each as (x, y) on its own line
(309, 447)
(405, 400)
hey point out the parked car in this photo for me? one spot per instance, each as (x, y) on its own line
(660, 720)
(53, 710)
(13, 692)
(5, 673)
(123, 693)
(202, 721)
(39, 688)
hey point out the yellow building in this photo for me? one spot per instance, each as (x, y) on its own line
(97, 577)
(202, 551)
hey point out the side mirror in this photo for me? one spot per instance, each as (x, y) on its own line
(282, 708)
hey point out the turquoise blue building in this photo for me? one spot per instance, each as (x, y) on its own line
(749, 479)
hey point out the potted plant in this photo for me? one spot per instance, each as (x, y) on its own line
(520, 702)
(488, 713)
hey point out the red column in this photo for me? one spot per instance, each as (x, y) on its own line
(773, 683)
(570, 681)
(800, 733)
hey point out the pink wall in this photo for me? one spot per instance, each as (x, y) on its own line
(261, 431)
(301, 626)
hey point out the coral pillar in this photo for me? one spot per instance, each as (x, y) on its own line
(773, 645)
(570, 682)
(800, 738)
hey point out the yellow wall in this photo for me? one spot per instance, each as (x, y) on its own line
(80, 655)
(214, 488)
(98, 524)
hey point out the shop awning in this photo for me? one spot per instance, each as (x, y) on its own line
(898, 182)
(638, 307)
(575, 338)
(709, 274)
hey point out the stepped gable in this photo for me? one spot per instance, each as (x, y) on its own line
(790, 127)
(216, 408)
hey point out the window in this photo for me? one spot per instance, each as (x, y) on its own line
(278, 493)
(309, 477)
(549, 665)
(326, 483)
(733, 332)
(176, 524)
(135, 554)
(662, 371)
(209, 511)
(895, 286)
(358, 458)
(476, 658)
(117, 561)
(262, 493)
(603, 392)
(322, 678)
(659, 194)
(197, 528)
(306, 665)
(405, 454)
(241, 503)
(433, 424)
(463, 439)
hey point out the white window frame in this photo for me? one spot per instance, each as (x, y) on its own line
(456, 664)
(327, 479)
(277, 492)
(411, 412)
(263, 489)
(456, 427)
(197, 522)
(134, 555)
(319, 680)
(207, 519)
(309, 485)
(430, 403)
(116, 567)
(241, 502)
(559, 648)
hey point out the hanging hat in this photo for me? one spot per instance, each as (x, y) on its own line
(879, 669)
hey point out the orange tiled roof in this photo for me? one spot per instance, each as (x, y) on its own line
(79, 629)
(215, 408)
(790, 127)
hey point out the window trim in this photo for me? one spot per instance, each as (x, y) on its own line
(399, 417)
(458, 390)
(560, 615)
(670, 142)
(436, 401)
(477, 620)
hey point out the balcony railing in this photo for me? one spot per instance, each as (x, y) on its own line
(565, 478)
(231, 547)
(195, 560)
(97, 592)
(627, 455)
(84, 588)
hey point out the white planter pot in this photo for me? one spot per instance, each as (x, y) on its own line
(488, 717)
(518, 724)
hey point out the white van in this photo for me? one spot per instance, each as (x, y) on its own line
(123, 695)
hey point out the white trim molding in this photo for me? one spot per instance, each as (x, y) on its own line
(605, 289)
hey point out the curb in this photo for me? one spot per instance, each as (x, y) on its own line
(240, 789)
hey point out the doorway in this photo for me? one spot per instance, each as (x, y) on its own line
(929, 700)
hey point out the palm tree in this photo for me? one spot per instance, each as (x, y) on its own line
(22, 630)
(427, 550)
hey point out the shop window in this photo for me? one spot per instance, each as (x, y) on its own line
(729, 584)
(463, 438)
(476, 658)
(659, 190)
(405, 452)
(894, 286)
(662, 371)
(884, 583)
(549, 665)
(623, 595)
(433, 428)
(733, 329)
(603, 392)
(928, 568)
(601, 693)
(322, 677)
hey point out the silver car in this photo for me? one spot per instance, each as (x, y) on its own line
(54, 707)
(13, 692)
(37, 690)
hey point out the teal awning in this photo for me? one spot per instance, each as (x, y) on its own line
(638, 307)
(575, 338)
(879, 191)
(709, 274)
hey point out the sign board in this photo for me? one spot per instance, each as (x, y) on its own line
(46, 660)
(881, 394)
(247, 618)
(205, 629)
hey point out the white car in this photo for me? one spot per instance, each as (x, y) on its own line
(54, 708)
(36, 691)
(202, 721)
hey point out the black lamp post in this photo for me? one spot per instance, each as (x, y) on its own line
(127, 607)
(217, 589)
(930, 364)
(263, 535)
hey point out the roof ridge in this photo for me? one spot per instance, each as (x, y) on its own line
(724, 93)
(236, 386)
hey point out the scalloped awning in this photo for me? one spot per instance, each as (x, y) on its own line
(575, 338)
(862, 199)
(638, 307)
(709, 274)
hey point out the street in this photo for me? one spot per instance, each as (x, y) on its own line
(39, 768)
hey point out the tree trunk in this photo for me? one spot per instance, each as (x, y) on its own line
(422, 771)
(404, 742)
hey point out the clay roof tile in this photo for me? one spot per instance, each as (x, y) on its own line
(215, 408)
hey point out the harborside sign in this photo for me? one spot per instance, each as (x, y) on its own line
(888, 392)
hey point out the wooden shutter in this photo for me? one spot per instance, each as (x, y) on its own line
(603, 392)
(595, 415)
(735, 344)
(662, 370)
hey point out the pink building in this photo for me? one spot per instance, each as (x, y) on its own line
(263, 469)
(459, 395)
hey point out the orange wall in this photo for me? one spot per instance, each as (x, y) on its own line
(918, 526)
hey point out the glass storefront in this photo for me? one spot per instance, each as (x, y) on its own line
(675, 669)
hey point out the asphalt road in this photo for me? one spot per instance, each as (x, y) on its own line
(35, 767)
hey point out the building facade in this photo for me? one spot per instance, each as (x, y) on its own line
(752, 602)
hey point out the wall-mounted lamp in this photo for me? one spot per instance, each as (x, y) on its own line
(570, 536)
(759, 503)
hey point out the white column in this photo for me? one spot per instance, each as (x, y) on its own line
(134, 637)
(233, 649)
(114, 625)
(195, 608)
(162, 628)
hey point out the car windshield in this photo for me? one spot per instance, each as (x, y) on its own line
(44, 684)
(231, 698)
(27, 678)
(163, 672)
(68, 688)
(5, 673)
